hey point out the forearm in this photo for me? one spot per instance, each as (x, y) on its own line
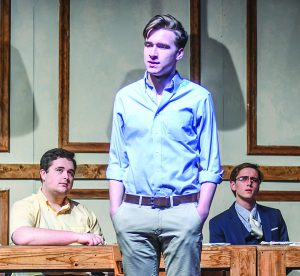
(41, 236)
(206, 196)
(116, 193)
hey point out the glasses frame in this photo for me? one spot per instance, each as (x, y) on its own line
(244, 178)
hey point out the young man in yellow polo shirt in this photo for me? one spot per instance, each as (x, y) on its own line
(50, 217)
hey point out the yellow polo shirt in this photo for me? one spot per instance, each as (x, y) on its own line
(36, 211)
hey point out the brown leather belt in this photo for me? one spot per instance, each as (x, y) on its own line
(161, 202)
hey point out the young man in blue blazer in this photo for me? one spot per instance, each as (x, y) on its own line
(247, 222)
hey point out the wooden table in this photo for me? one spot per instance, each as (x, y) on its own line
(274, 260)
(56, 258)
(241, 260)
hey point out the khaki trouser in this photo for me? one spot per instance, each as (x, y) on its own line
(144, 233)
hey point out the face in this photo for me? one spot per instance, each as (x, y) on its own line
(58, 180)
(161, 54)
(246, 185)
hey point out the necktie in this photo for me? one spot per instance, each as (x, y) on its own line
(256, 228)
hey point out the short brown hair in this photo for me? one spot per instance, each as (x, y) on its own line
(53, 154)
(235, 171)
(167, 22)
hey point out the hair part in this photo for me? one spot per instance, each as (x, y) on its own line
(53, 154)
(167, 22)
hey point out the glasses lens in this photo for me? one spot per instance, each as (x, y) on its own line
(246, 178)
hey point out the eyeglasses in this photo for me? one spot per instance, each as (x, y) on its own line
(246, 178)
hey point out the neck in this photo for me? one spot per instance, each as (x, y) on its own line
(161, 82)
(249, 205)
(56, 201)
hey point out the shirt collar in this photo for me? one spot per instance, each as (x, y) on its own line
(172, 87)
(244, 213)
(66, 207)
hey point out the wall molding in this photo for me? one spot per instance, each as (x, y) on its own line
(98, 172)
(4, 215)
(252, 147)
(64, 75)
(4, 74)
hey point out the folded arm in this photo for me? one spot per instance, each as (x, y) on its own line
(40, 236)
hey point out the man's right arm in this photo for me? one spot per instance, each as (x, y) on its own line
(116, 193)
(24, 231)
(26, 235)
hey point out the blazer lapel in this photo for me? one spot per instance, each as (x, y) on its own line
(265, 221)
(240, 231)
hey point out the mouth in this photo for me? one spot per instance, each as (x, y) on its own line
(152, 63)
(64, 184)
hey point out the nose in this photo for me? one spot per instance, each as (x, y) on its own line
(153, 52)
(65, 174)
(249, 181)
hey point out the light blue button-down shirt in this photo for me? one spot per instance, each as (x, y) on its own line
(166, 149)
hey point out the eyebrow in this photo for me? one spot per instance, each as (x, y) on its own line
(158, 44)
(64, 169)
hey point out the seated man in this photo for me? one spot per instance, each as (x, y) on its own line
(50, 217)
(247, 222)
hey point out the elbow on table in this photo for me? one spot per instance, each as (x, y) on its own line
(20, 236)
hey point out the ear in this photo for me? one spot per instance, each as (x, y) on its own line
(179, 54)
(43, 174)
(232, 186)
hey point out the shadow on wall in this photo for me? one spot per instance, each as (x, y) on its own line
(23, 118)
(131, 76)
(219, 76)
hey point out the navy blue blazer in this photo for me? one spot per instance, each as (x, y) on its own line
(227, 227)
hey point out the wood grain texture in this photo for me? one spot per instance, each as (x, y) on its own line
(80, 258)
(243, 261)
(4, 216)
(274, 260)
(98, 172)
(278, 196)
(89, 194)
(4, 74)
(195, 34)
(240, 260)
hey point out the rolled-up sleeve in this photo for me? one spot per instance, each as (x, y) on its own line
(210, 169)
(118, 160)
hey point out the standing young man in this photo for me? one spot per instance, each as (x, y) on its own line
(164, 150)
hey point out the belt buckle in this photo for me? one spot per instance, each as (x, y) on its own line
(160, 202)
(152, 204)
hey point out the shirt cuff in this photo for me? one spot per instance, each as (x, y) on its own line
(206, 176)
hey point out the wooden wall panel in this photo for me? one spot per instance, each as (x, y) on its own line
(4, 215)
(4, 73)
(95, 171)
(98, 172)
(252, 144)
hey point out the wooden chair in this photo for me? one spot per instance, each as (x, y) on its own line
(4, 216)
(117, 258)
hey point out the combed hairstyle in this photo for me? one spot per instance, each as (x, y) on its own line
(167, 22)
(235, 171)
(53, 154)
